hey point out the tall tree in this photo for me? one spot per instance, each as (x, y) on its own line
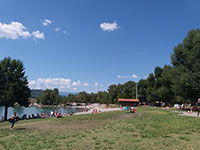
(103, 97)
(83, 97)
(166, 91)
(114, 90)
(129, 89)
(50, 97)
(186, 60)
(151, 90)
(13, 84)
(142, 87)
(160, 85)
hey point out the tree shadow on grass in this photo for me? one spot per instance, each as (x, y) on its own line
(20, 129)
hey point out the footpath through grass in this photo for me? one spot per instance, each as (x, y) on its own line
(148, 128)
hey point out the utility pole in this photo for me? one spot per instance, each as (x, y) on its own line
(136, 91)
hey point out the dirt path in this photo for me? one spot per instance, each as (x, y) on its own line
(193, 114)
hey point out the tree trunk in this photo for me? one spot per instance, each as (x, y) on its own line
(6, 113)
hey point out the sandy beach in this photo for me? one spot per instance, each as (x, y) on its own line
(98, 108)
(193, 114)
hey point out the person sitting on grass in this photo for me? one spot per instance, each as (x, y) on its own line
(47, 115)
(38, 116)
(14, 118)
(71, 113)
(42, 115)
(24, 117)
(52, 113)
(29, 117)
(58, 115)
(33, 116)
(95, 111)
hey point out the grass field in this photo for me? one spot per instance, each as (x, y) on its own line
(148, 128)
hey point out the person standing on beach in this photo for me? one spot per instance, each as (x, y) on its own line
(12, 120)
(198, 107)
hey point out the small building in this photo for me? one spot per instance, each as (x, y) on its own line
(128, 102)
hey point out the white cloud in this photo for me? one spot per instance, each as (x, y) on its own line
(46, 22)
(128, 77)
(134, 76)
(57, 29)
(51, 83)
(109, 26)
(96, 84)
(78, 83)
(16, 30)
(38, 35)
(62, 84)
(119, 76)
(85, 84)
(75, 89)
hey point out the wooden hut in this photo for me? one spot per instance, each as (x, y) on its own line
(128, 102)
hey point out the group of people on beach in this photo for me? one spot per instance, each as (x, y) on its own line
(129, 108)
(14, 118)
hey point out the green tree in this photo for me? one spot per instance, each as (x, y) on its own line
(126, 90)
(186, 60)
(45, 97)
(71, 98)
(142, 87)
(55, 97)
(93, 97)
(13, 84)
(50, 97)
(114, 90)
(83, 97)
(103, 97)
(167, 88)
(160, 85)
(151, 94)
(129, 89)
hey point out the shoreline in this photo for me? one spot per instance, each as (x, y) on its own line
(99, 110)
(90, 106)
(88, 109)
(83, 112)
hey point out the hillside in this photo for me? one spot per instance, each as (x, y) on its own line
(35, 93)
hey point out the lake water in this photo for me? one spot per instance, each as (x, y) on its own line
(34, 110)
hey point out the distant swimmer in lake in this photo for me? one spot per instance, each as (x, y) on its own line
(14, 118)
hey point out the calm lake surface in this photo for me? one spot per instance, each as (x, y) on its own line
(34, 110)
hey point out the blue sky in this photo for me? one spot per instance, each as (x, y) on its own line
(77, 45)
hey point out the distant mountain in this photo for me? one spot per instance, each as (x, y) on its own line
(67, 93)
(35, 93)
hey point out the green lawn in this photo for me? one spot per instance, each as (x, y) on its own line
(147, 129)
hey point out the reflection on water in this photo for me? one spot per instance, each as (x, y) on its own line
(34, 110)
(19, 110)
(1, 111)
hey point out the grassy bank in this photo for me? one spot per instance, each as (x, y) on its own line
(149, 128)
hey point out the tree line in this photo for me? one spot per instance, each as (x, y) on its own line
(52, 97)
